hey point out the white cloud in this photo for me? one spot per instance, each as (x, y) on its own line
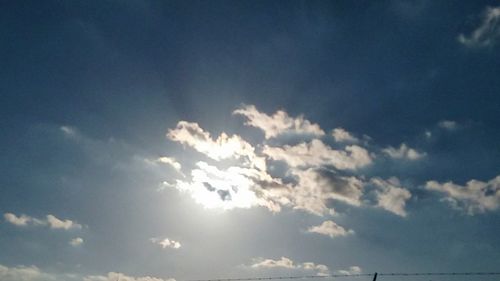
(403, 152)
(487, 33)
(341, 135)
(352, 270)
(56, 223)
(223, 147)
(287, 263)
(23, 273)
(474, 197)
(76, 241)
(279, 123)
(448, 125)
(391, 196)
(316, 153)
(166, 243)
(33, 273)
(51, 221)
(331, 229)
(171, 162)
(21, 220)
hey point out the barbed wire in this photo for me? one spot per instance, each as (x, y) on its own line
(400, 274)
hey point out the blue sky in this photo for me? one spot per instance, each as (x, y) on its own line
(216, 139)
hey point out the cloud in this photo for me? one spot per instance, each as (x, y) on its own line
(33, 273)
(331, 229)
(352, 270)
(341, 135)
(51, 221)
(56, 223)
(23, 273)
(448, 125)
(287, 263)
(315, 178)
(474, 197)
(224, 147)
(279, 123)
(166, 243)
(21, 220)
(170, 161)
(403, 152)
(316, 153)
(76, 241)
(391, 196)
(487, 34)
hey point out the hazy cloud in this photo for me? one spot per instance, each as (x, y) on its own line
(351, 270)
(486, 34)
(403, 152)
(287, 263)
(331, 229)
(473, 197)
(76, 241)
(278, 123)
(448, 125)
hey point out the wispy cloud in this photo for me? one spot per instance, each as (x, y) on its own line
(330, 228)
(448, 125)
(351, 270)
(473, 197)
(403, 152)
(287, 263)
(487, 33)
(279, 123)
(50, 220)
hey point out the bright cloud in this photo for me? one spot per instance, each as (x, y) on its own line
(403, 152)
(287, 263)
(341, 135)
(391, 196)
(171, 162)
(224, 147)
(316, 153)
(473, 197)
(279, 123)
(51, 221)
(21, 220)
(487, 33)
(314, 178)
(56, 223)
(166, 243)
(330, 228)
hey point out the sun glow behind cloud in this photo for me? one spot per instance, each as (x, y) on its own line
(236, 173)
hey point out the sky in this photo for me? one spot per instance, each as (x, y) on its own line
(181, 140)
